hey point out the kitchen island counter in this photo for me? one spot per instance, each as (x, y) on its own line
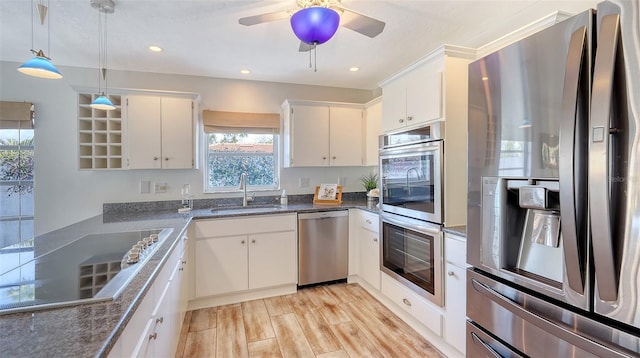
(91, 329)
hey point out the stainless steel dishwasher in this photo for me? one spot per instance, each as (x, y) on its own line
(323, 246)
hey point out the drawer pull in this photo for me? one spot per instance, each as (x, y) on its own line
(242, 242)
(253, 241)
(153, 336)
(406, 302)
(184, 262)
(368, 221)
(181, 269)
(451, 273)
(160, 320)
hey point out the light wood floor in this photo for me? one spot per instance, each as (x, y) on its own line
(340, 320)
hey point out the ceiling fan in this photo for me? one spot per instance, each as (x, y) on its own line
(324, 14)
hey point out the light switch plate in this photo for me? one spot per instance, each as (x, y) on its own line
(145, 187)
(160, 188)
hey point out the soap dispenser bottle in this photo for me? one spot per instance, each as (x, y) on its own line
(283, 198)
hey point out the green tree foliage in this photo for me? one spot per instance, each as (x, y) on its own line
(17, 165)
(226, 170)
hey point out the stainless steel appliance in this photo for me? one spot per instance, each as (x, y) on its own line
(411, 172)
(553, 221)
(411, 253)
(323, 246)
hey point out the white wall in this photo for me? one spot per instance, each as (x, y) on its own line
(64, 195)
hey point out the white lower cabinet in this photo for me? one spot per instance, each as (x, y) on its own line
(416, 306)
(369, 242)
(239, 254)
(455, 293)
(154, 328)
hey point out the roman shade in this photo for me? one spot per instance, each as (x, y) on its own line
(238, 122)
(16, 115)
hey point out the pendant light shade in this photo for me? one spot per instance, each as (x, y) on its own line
(102, 102)
(40, 66)
(104, 7)
(315, 25)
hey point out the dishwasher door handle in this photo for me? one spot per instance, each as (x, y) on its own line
(323, 215)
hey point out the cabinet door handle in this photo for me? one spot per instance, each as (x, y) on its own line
(323, 158)
(375, 239)
(155, 158)
(153, 336)
(406, 302)
(242, 242)
(368, 221)
(166, 158)
(160, 320)
(334, 158)
(184, 262)
(409, 118)
(401, 120)
(451, 273)
(253, 241)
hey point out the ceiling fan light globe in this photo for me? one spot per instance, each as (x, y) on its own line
(315, 25)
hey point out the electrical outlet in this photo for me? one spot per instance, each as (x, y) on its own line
(145, 187)
(160, 188)
(304, 182)
(342, 181)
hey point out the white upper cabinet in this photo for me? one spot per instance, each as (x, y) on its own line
(372, 130)
(319, 134)
(160, 132)
(421, 93)
(412, 99)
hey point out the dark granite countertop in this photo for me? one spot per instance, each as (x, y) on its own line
(88, 330)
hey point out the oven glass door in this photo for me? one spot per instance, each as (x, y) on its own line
(411, 181)
(413, 257)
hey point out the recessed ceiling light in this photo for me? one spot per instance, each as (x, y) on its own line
(245, 72)
(155, 48)
(354, 69)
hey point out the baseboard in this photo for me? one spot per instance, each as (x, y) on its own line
(236, 297)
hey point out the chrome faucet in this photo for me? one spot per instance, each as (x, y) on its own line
(407, 175)
(243, 186)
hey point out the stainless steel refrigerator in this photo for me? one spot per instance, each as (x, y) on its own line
(554, 191)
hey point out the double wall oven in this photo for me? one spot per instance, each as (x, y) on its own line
(411, 203)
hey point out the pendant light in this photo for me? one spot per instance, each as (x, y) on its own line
(104, 7)
(40, 65)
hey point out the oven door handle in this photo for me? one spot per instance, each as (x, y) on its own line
(544, 324)
(422, 228)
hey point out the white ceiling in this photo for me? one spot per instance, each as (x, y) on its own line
(203, 38)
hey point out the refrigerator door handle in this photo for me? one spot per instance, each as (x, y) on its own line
(492, 352)
(599, 158)
(567, 175)
(544, 324)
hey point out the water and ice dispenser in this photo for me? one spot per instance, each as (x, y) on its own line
(521, 228)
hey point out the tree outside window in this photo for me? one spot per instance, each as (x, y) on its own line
(231, 154)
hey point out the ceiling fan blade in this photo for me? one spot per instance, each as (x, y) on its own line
(259, 19)
(363, 24)
(304, 47)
